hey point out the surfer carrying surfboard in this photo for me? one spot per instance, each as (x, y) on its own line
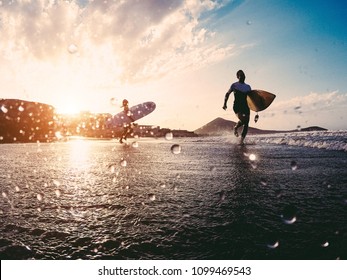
(240, 106)
(128, 128)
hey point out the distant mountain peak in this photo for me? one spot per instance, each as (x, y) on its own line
(220, 126)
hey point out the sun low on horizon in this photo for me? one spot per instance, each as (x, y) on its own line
(68, 108)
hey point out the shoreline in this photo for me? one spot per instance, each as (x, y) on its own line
(328, 140)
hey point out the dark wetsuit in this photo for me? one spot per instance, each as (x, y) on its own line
(127, 129)
(240, 93)
(240, 104)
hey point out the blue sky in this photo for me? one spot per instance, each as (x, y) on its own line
(183, 55)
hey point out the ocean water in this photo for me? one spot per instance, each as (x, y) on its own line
(329, 140)
(278, 197)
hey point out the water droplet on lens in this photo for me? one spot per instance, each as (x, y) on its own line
(4, 195)
(162, 186)
(290, 221)
(151, 197)
(4, 109)
(114, 101)
(252, 157)
(20, 108)
(72, 48)
(213, 169)
(222, 196)
(249, 22)
(39, 197)
(57, 193)
(273, 245)
(272, 241)
(293, 165)
(169, 136)
(263, 182)
(123, 163)
(325, 244)
(112, 168)
(56, 183)
(289, 215)
(176, 149)
(135, 144)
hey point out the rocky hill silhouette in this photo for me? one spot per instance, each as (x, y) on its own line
(220, 126)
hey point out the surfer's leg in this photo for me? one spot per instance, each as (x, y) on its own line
(124, 134)
(239, 124)
(245, 126)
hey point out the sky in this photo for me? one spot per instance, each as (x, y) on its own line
(183, 55)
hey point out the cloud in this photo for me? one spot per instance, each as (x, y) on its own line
(131, 41)
(312, 102)
(322, 109)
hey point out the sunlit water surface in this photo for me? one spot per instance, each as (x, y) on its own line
(193, 198)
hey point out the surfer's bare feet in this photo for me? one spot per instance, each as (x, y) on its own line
(235, 132)
(242, 141)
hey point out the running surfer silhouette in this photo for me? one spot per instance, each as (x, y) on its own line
(240, 106)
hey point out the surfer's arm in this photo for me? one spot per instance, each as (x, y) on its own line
(226, 99)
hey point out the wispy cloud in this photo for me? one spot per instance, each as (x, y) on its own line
(323, 109)
(131, 40)
(312, 102)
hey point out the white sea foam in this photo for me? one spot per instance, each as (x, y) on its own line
(329, 140)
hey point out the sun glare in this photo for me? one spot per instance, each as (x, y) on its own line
(68, 108)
